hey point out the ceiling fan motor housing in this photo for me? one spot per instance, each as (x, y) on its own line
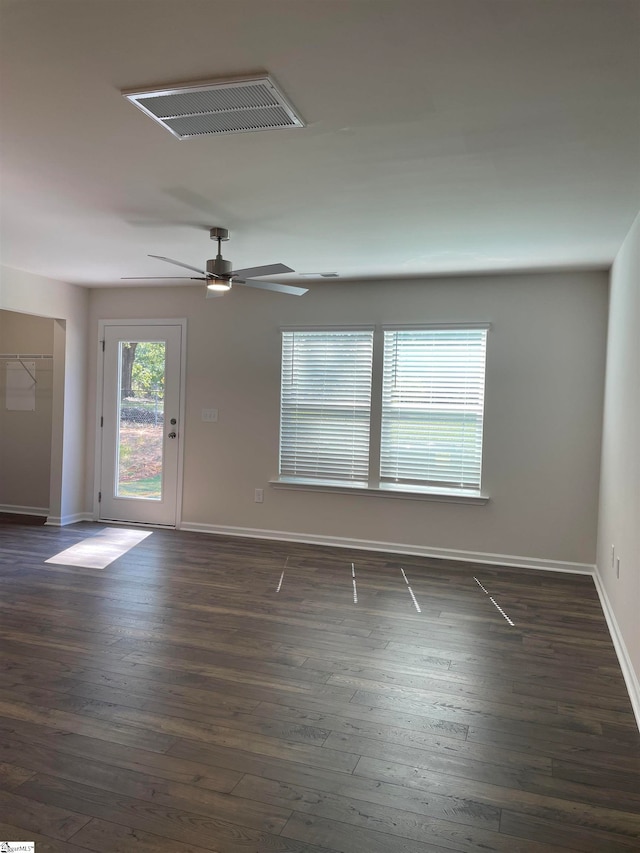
(218, 233)
(218, 266)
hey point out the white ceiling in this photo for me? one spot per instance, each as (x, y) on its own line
(442, 136)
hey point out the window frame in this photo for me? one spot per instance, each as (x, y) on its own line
(343, 410)
(451, 396)
(375, 486)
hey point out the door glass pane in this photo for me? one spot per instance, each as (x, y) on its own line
(141, 368)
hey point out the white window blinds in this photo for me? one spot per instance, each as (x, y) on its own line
(432, 407)
(325, 405)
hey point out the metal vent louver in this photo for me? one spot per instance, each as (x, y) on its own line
(222, 106)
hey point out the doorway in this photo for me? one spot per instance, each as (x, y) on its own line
(142, 404)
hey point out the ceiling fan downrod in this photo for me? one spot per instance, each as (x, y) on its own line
(217, 267)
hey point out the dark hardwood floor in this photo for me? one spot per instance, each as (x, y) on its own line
(242, 696)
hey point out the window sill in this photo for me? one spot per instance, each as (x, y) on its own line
(384, 490)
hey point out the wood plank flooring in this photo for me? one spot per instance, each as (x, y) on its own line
(241, 696)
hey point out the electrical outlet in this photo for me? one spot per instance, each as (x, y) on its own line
(210, 415)
(618, 567)
(259, 496)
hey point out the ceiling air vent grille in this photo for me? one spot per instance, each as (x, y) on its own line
(224, 106)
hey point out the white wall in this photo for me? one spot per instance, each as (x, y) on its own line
(25, 436)
(68, 304)
(620, 483)
(545, 376)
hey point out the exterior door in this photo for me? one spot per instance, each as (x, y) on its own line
(141, 435)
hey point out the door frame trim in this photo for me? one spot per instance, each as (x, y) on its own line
(97, 477)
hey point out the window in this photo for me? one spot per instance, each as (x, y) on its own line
(326, 405)
(432, 405)
(408, 420)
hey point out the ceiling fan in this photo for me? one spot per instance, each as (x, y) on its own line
(220, 277)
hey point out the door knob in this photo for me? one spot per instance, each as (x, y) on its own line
(172, 434)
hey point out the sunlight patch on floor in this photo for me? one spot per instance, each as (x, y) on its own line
(99, 551)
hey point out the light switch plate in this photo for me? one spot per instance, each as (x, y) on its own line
(210, 415)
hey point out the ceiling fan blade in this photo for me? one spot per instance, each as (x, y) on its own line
(269, 269)
(272, 285)
(179, 264)
(154, 277)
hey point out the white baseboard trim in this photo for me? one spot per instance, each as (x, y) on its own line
(62, 521)
(624, 659)
(24, 510)
(394, 548)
